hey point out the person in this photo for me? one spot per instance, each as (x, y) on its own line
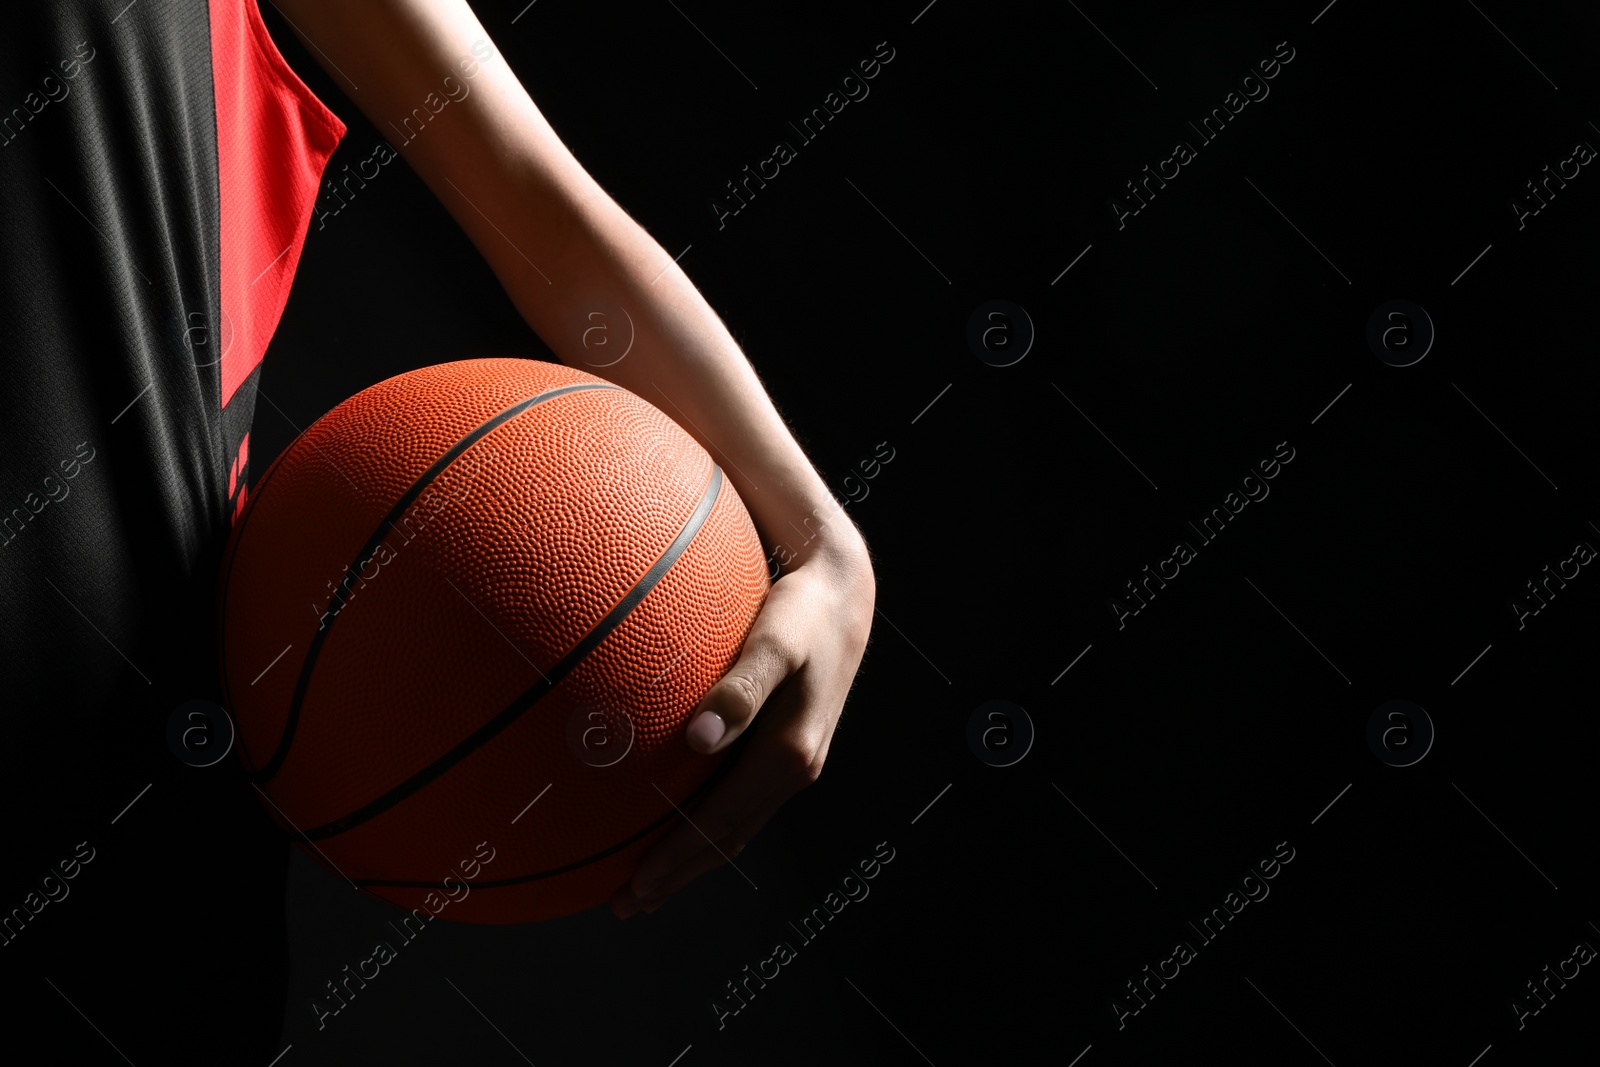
(160, 165)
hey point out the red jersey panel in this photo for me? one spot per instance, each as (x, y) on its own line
(274, 138)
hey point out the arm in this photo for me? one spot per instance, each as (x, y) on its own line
(562, 247)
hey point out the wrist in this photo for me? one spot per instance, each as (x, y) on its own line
(827, 539)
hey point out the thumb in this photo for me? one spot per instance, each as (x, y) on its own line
(731, 705)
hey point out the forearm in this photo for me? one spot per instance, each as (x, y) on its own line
(593, 284)
(682, 359)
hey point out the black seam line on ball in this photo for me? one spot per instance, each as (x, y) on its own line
(275, 764)
(715, 776)
(546, 683)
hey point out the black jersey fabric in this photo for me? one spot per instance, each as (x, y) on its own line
(166, 940)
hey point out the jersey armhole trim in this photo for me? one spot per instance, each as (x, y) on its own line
(309, 102)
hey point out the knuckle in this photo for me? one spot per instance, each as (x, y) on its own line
(747, 694)
(796, 763)
(802, 766)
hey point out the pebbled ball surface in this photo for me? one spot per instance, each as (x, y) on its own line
(509, 555)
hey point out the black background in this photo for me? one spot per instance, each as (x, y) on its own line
(1224, 717)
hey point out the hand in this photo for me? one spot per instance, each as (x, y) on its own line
(793, 674)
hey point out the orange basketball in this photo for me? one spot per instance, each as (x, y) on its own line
(465, 618)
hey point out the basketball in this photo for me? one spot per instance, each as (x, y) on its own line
(466, 616)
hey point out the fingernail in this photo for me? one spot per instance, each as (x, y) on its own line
(706, 730)
(644, 891)
(650, 908)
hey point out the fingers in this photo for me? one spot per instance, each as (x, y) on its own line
(725, 850)
(768, 764)
(767, 659)
(708, 858)
(776, 764)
